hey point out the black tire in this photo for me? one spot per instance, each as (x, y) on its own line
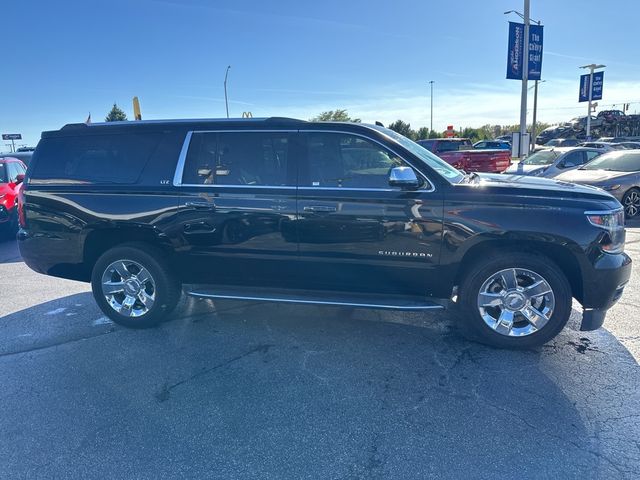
(471, 319)
(9, 229)
(631, 203)
(166, 289)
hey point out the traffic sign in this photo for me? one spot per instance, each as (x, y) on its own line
(11, 136)
(596, 90)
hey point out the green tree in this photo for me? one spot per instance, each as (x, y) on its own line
(116, 114)
(403, 128)
(422, 133)
(335, 116)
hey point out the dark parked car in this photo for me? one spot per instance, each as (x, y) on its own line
(492, 145)
(325, 213)
(12, 173)
(23, 155)
(618, 173)
(610, 115)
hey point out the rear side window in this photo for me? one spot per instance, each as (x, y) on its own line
(238, 158)
(111, 158)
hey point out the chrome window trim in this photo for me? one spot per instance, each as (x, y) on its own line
(177, 177)
(604, 212)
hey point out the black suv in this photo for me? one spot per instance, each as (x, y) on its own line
(327, 213)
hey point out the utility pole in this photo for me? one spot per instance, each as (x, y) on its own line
(226, 102)
(523, 151)
(431, 127)
(591, 68)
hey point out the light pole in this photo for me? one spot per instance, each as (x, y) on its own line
(525, 78)
(431, 104)
(535, 111)
(226, 102)
(591, 68)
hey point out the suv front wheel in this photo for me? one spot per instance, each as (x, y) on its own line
(133, 286)
(515, 300)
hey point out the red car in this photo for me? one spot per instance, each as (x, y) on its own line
(460, 153)
(12, 173)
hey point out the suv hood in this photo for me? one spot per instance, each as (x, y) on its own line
(549, 186)
(518, 169)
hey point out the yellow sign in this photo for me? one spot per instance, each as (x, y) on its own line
(136, 109)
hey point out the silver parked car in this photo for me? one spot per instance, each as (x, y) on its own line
(617, 172)
(551, 162)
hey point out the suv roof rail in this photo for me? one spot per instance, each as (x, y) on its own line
(284, 119)
(77, 126)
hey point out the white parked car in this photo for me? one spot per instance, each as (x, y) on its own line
(551, 162)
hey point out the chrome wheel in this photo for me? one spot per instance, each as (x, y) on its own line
(516, 302)
(128, 288)
(631, 203)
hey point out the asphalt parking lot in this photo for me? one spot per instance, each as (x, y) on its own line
(254, 390)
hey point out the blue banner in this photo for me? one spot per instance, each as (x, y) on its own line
(596, 89)
(515, 51)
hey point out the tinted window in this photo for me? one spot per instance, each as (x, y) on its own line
(12, 171)
(450, 146)
(3, 172)
(616, 161)
(93, 158)
(242, 158)
(428, 144)
(573, 159)
(591, 154)
(342, 160)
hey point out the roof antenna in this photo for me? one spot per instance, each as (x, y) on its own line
(379, 124)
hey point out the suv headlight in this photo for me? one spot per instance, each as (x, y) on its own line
(612, 222)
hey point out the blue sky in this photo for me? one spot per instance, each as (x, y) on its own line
(65, 59)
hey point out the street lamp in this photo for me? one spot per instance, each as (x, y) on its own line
(591, 68)
(226, 102)
(431, 104)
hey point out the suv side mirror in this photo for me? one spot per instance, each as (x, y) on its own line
(19, 179)
(403, 177)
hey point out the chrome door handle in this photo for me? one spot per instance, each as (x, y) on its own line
(320, 209)
(201, 205)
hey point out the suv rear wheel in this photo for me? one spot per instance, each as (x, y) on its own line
(133, 286)
(515, 300)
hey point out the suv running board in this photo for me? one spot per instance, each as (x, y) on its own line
(364, 300)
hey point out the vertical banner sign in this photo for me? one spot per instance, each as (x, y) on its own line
(515, 52)
(596, 88)
(535, 51)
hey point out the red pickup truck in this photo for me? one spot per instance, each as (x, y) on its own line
(460, 153)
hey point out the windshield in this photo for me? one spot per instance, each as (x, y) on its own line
(543, 157)
(616, 162)
(436, 163)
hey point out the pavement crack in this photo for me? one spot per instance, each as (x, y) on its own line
(165, 392)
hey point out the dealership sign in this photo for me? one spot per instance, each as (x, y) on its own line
(596, 88)
(11, 136)
(515, 52)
